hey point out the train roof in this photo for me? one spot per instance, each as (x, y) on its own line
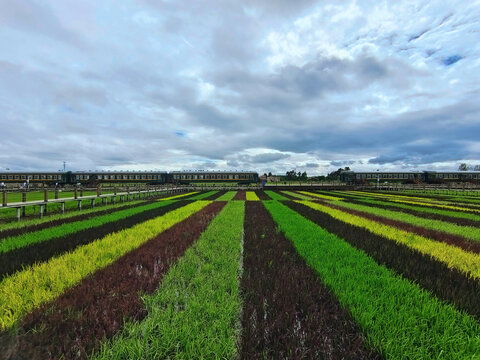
(212, 172)
(119, 172)
(30, 172)
(412, 172)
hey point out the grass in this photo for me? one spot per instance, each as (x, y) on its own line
(34, 285)
(38, 195)
(49, 218)
(194, 313)
(398, 317)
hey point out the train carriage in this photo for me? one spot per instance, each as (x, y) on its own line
(233, 177)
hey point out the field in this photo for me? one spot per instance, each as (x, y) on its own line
(246, 275)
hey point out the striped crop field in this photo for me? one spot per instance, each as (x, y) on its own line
(247, 275)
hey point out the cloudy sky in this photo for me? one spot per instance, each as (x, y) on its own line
(266, 85)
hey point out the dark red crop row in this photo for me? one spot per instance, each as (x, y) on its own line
(288, 313)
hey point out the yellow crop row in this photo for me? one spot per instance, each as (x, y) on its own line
(251, 196)
(179, 196)
(321, 196)
(25, 290)
(452, 256)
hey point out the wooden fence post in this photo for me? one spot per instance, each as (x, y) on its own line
(45, 195)
(4, 198)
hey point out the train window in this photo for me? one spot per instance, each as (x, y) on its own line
(236, 176)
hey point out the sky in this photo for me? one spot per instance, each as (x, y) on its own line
(264, 85)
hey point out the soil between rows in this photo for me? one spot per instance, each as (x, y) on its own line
(16, 259)
(447, 284)
(75, 324)
(288, 313)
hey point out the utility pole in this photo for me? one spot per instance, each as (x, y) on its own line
(64, 163)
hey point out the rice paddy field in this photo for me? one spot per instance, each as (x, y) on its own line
(246, 275)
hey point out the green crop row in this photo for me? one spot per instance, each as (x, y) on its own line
(19, 241)
(452, 256)
(275, 195)
(34, 285)
(229, 195)
(399, 317)
(49, 218)
(468, 232)
(194, 313)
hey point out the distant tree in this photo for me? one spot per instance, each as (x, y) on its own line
(304, 176)
(335, 175)
(347, 168)
(291, 175)
(463, 167)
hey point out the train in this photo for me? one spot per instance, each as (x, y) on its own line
(419, 177)
(93, 178)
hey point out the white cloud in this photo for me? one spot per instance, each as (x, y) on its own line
(258, 85)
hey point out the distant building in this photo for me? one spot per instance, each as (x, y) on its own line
(273, 178)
